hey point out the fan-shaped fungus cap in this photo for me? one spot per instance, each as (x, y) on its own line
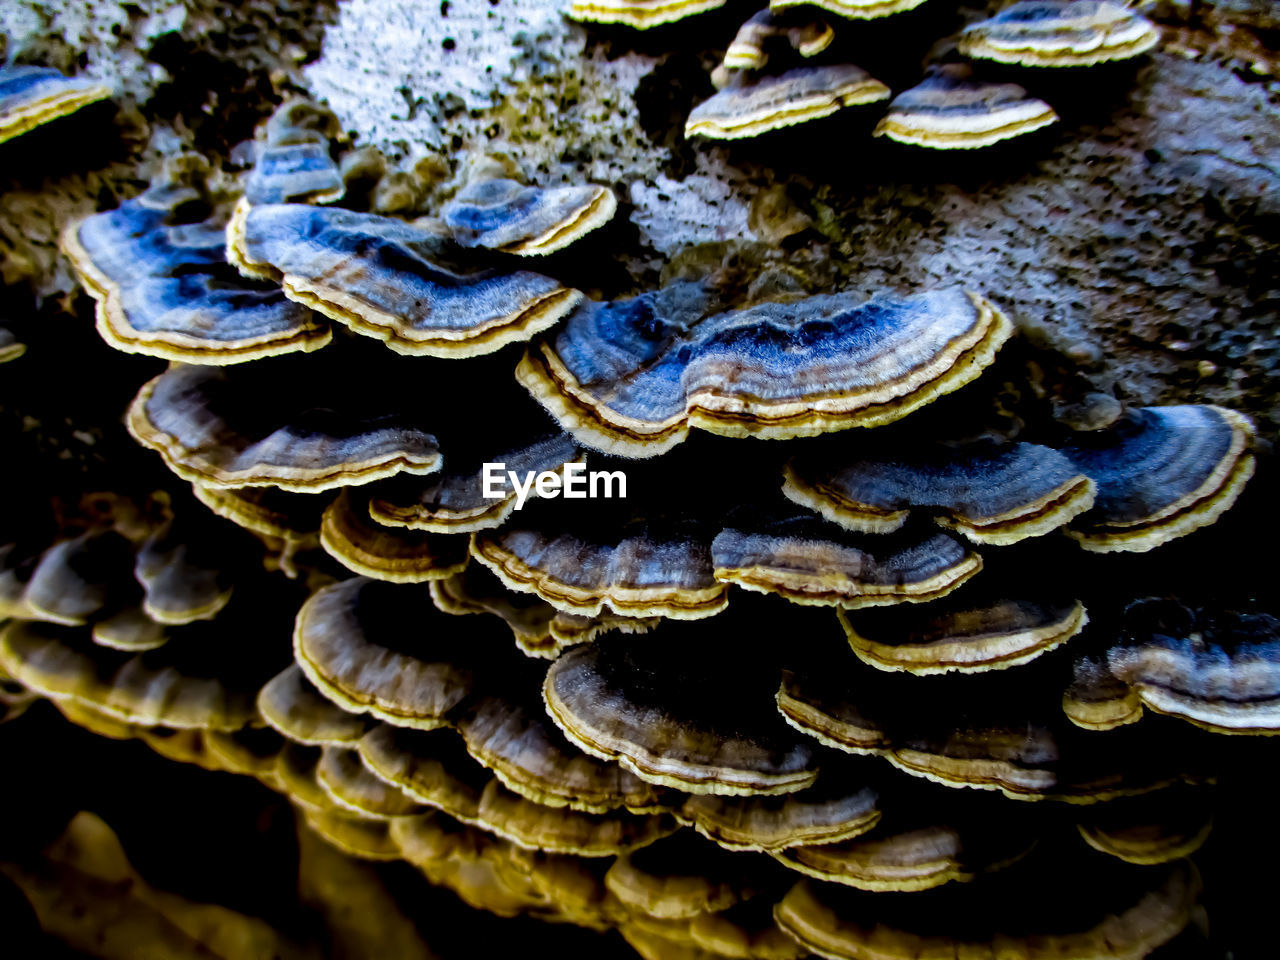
(137, 689)
(430, 766)
(839, 806)
(164, 288)
(131, 631)
(640, 14)
(346, 781)
(351, 537)
(651, 572)
(918, 849)
(799, 29)
(798, 559)
(991, 493)
(752, 107)
(1118, 913)
(75, 579)
(853, 9)
(288, 523)
(294, 173)
(1161, 473)
(355, 835)
(1221, 673)
(962, 637)
(609, 702)
(182, 574)
(352, 640)
(291, 705)
(455, 502)
(1097, 700)
(1156, 828)
(529, 754)
(679, 878)
(631, 377)
(211, 429)
(949, 110)
(388, 279)
(1060, 33)
(746, 930)
(31, 96)
(11, 348)
(528, 221)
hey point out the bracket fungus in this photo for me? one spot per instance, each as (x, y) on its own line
(950, 110)
(294, 708)
(749, 49)
(749, 107)
(397, 555)
(1060, 33)
(990, 493)
(1147, 830)
(1161, 473)
(31, 96)
(631, 377)
(164, 288)
(679, 878)
(211, 430)
(852, 9)
(958, 636)
(293, 164)
(11, 348)
(640, 14)
(607, 699)
(354, 789)
(390, 280)
(507, 216)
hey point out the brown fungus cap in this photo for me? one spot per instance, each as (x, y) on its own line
(432, 767)
(853, 9)
(350, 536)
(752, 107)
(383, 649)
(1097, 700)
(508, 216)
(679, 878)
(1156, 828)
(839, 806)
(1060, 33)
(990, 493)
(640, 14)
(630, 377)
(949, 110)
(130, 630)
(957, 635)
(800, 30)
(802, 560)
(1121, 913)
(529, 755)
(617, 701)
(211, 429)
(348, 784)
(1161, 473)
(184, 576)
(74, 580)
(291, 705)
(11, 348)
(745, 931)
(339, 263)
(31, 96)
(355, 835)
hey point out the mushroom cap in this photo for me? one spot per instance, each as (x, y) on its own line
(800, 560)
(353, 788)
(616, 701)
(803, 93)
(631, 377)
(962, 637)
(805, 34)
(350, 536)
(130, 630)
(361, 643)
(640, 14)
(355, 835)
(505, 215)
(1161, 473)
(949, 110)
(164, 288)
(292, 706)
(745, 930)
(200, 420)
(839, 806)
(430, 766)
(529, 755)
(990, 493)
(146, 689)
(31, 96)
(1151, 829)
(1060, 33)
(455, 501)
(1097, 700)
(853, 9)
(74, 580)
(389, 280)
(294, 173)
(644, 570)
(184, 576)
(679, 878)
(11, 348)
(1122, 912)
(1221, 673)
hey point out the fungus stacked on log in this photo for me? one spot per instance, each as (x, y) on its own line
(1060, 33)
(631, 377)
(763, 31)
(640, 14)
(31, 96)
(397, 555)
(507, 216)
(293, 165)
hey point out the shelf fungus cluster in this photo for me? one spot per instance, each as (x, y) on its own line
(785, 67)
(31, 96)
